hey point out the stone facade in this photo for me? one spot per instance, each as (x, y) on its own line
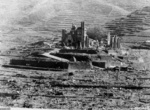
(76, 38)
(113, 41)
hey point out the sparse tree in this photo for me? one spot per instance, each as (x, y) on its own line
(97, 33)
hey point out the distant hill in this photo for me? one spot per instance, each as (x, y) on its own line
(61, 14)
(53, 15)
(132, 25)
(130, 5)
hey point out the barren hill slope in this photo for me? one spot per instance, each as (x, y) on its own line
(132, 25)
(52, 15)
(58, 14)
(55, 15)
(130, 5)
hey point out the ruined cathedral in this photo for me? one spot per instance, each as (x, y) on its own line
(76, 38)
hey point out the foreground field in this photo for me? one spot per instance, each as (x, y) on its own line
(35, 89)
(91, 89)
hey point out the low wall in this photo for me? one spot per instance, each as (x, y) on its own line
(39, 63)
(88, 51)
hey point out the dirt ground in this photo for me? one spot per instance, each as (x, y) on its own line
(34, 89)
(37, 89)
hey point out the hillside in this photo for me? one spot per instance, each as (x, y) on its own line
(58, 15)
(53, 15)
(135, 24)
(130, 5)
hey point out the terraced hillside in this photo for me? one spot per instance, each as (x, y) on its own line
(55, 15)
(130, 5)
(92, 12)
(132, 25)
(51, 15)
